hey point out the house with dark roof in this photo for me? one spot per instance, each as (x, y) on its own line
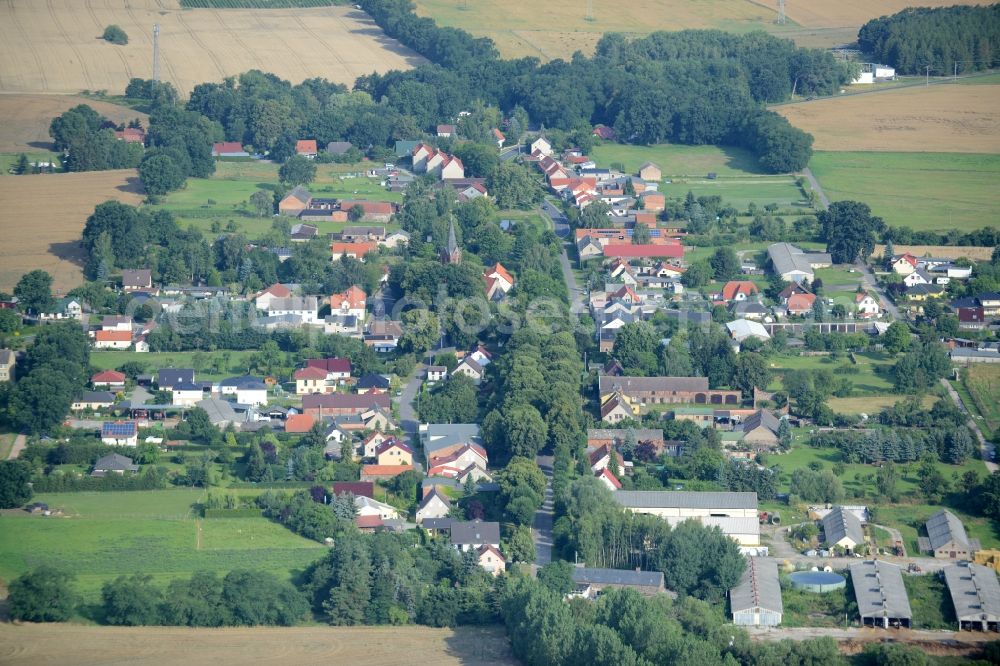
(881, 595)
(590, 581)
(113, 464)
(140, 279)
(761, 430)
(338, 147)
(435, 504)
(975, 595)
(93, 400)
(342, 404)
(371, 383)
(168, 378)
(473, 534)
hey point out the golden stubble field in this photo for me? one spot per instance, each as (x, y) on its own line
(557, 28)
(152, 646)
(25, 118)
(42, 218)
(54, 46)
(939, 118)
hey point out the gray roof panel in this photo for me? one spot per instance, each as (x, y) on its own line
(587, 575)
(974, 591)
(758, 587)
(944, 527)
(840, 523)
(652, 499)
(879, 589)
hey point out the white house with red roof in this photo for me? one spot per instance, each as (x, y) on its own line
(867, 305)
(498, 282)
(481, 356)
(455, 461)
(351, 302)
(337, 369)
(498, 136)
(306, 148)
(452, 168)
(112, 379)
(904, 264)
(608, 479)
(421, 152)
(262, 301)
(371, 443)
(311, 380)
(490, 559)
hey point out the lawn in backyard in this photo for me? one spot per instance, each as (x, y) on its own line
(224, 197)
(740, 193)
(980, 391)
(864, 381)
(677, 161)
(923, 191)
(104, 535)
(854, 476)
(153, 361)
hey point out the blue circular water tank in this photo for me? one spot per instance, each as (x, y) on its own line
(817, 581)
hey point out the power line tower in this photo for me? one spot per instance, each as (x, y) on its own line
(781, 12)
(156, 52)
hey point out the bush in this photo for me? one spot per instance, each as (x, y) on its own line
(115, 35)
(42, 595)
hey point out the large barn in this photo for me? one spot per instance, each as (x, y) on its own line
(756, 600)
(881, 595)
(975, 594)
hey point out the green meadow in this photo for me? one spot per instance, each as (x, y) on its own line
(923, 191)
(104, 535)
(153, 361)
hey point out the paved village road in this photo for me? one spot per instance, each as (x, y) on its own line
(407, 413)
(985, 447)
(816, 187)
(541, 529)
(871, 284)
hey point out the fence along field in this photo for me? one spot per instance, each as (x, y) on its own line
(54, 46)
(938, 118)
(42, 217)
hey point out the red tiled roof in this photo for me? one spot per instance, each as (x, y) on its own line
(370, 207)
(227, 147)
(277, 290)
(299, 423)
(735, 287)
(384, 470)
(801, 302)
(354, 297)
(358, 249)
(644, 251)
(113, 336)
(500, 271)
(330, 364)
(310, 372)
(606, 473)
(306, 146)
(368, 522)
(108, 377)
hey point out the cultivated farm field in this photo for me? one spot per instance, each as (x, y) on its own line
(153, 646)
(26, 118)
(43, 216)
(55, 46)
(823, 13)
(923, 191)
(982, 381)
(945, 118)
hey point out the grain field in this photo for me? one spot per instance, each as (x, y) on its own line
(828, 14)
(42, 218)
(55, 45)
(26, 118)
(153, 646)
(939, 118)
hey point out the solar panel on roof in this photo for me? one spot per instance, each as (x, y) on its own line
(119, 429)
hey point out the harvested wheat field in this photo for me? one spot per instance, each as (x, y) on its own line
(939, 118)
(148, 646)
(42, 218)
(824, 13)
(55, 46)
(26, 118)
(944, 251)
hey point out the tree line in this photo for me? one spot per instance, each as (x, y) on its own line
(939, 37)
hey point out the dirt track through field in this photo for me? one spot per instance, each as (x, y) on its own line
(151, 646)
(940, 118)
(55, 45)
(42, 218)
